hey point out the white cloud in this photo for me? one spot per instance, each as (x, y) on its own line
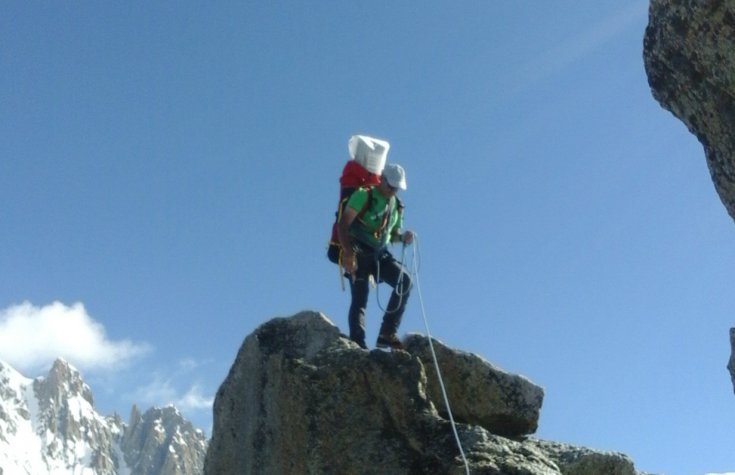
(195, 400)
(163, 392)
(158, 392)
(187, 365)
(32, 337)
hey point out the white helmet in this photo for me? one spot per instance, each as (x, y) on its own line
(395, 176)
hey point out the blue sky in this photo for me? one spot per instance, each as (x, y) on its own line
(168, 176)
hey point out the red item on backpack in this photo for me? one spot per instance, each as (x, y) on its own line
(353, 176)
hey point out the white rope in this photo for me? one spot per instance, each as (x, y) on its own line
(415, 274)
(399, 290)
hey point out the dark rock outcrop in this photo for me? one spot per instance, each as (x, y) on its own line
(731, 362)
(689, 54)
(302, 398)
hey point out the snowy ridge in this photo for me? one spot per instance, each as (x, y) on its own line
(20, 447)
(49, 426)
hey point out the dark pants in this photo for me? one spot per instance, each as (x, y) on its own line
(384, 268)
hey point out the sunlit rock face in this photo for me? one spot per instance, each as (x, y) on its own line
(302, 398)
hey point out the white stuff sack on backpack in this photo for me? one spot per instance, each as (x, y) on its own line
(369, 152)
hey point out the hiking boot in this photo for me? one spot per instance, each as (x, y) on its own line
(360, 343)
(389, 341)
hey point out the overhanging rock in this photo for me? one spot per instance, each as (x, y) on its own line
(478, 392)
(689, 55)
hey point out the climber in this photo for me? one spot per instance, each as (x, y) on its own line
(364, 233)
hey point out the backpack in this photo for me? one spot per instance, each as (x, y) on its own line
(353, 176)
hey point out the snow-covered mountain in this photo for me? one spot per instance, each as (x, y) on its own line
(49, 425)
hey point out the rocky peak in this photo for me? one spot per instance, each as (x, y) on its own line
(162, 441)
(49, 425)
(66, 412)
(302, 398)
(62, 382)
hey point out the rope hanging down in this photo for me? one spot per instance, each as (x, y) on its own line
(415, 280)
(415, 274)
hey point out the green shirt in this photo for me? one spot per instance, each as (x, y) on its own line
(363, 228)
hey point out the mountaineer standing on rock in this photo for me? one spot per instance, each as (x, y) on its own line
(370, 221)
